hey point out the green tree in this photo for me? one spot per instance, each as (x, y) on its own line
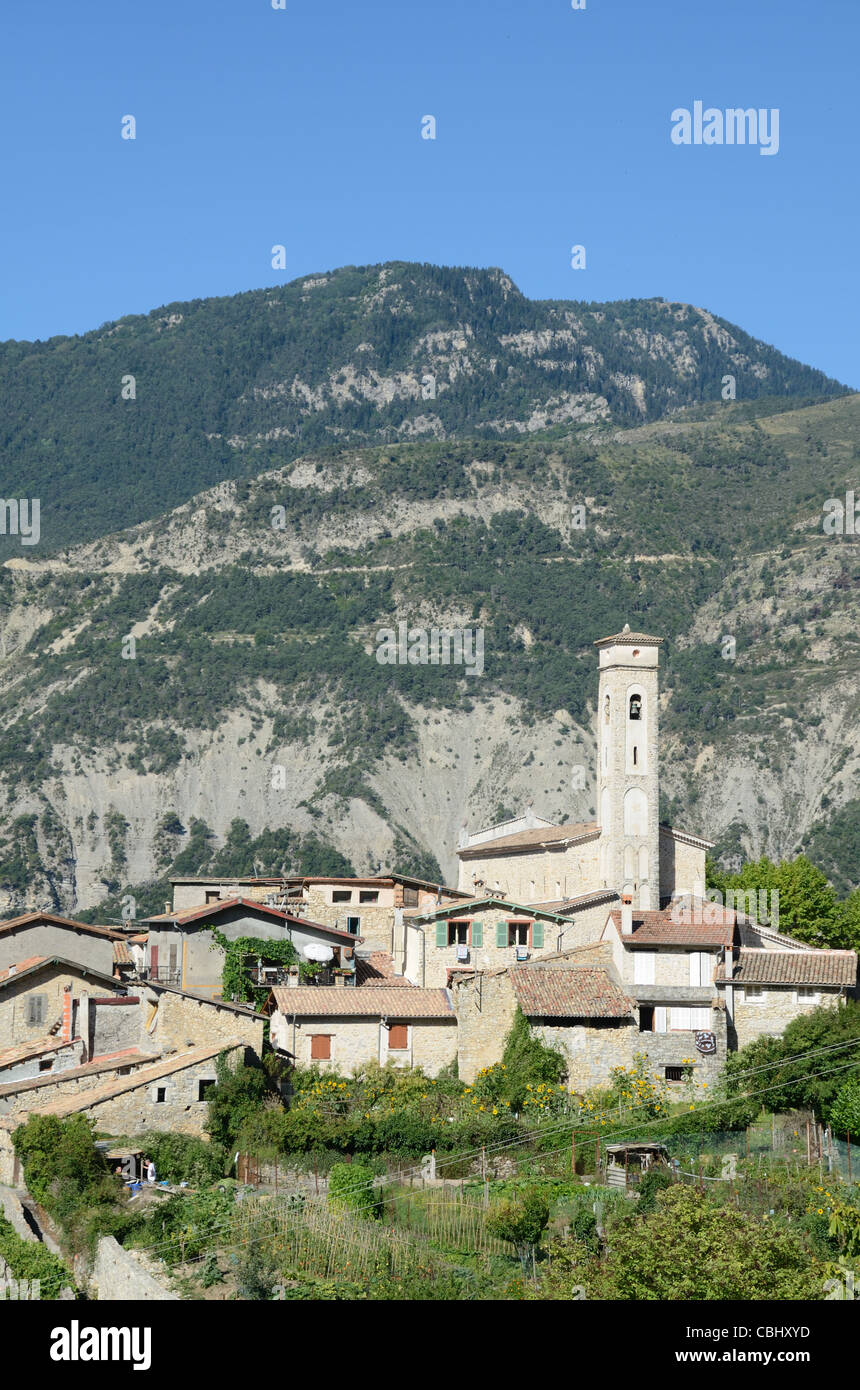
(844, 1113)
(527, 1061)
(521, 1221)
(689, 1249)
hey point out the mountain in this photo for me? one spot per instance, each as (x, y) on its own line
(254, 727)
(228, 388)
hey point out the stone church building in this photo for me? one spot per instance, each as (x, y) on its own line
(530, 860)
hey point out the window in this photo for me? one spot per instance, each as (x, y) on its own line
(518, 933)
(701, 970)
(674, 1073)
(203, 1087)
(46, 1064)
(683, 1019)
(635, 755)
(458, 933)
(398, 1037)
(635, 706)
(35, 1008)
(320, 1047)
(212, 895)
(160, 1095)
(644, 967)
(172, 959)
(807, 995)
(753, 994)
(341, 895)
(606, 708)
(646, 1018)
(410, 897)
(368, 896)
(353, 924)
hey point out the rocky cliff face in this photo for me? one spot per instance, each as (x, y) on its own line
(217, 664)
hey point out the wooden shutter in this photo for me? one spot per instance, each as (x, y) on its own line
(153, 962)
(537, 935)
(501, 935)
(442, 933)
(477, 934)
(320, 1047)
(660, 1018)
(644, 967)
(398, 1037)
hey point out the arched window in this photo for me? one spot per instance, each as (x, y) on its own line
(635, 706)
(606, 710)
(636, 740)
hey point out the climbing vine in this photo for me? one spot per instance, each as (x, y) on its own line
(235, 983)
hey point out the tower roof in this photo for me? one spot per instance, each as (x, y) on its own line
(626, 638)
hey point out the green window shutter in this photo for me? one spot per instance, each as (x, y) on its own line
(477, 934)
(501, 934)
(442, 933)
(537, 935)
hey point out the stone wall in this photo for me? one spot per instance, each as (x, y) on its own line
(357, 1041)
(50, 982)
(777, 1009)
(122, 1276)
(138, 1109)
(170, 1020)
(544, 875)
(671, 965)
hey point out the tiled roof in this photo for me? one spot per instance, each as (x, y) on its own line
(35, 963)
(490, 901)
(563, 906)
(626, 638)
(376, 969)
(121, 954)
(30, 919)
(24, 1051)
(556, 992)
(317, 1001)
(794, 968)
(130, 1056)
(658, 929)
(20, 966)
(194, 914)
(529, 839)
(68, 1105)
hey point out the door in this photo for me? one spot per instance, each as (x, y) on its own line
(153, 962)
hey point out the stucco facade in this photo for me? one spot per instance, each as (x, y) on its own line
(41, 935)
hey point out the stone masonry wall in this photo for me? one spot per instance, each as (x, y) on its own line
(777, 1009)
(181, 1021)
(357, 1041)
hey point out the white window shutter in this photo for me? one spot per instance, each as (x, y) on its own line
(660, 1019)
(644, 967)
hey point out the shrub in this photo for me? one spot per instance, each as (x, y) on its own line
(350, 1185)
(521, 1221)
(845, 1109)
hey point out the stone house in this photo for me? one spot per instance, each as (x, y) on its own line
(433, 946)
(165, 1094)
(342, 1029)
(181, 949)
(765, 989)
(45, 934)
(364, 907)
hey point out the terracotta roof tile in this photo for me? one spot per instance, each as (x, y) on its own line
(794, 968)
(193, 914)
(556, 992)
(317, 1001)
(526, 839)
(626, 638)
(661, 929)
(377, 968)
(21, 965)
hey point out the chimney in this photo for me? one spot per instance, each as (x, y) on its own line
(627, 914)
(167, 907)
(66, 1033)
(11, 970)
(339, 981)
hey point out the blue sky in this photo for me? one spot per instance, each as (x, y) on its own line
(301, 126)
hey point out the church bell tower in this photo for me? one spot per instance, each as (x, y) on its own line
(627, 774)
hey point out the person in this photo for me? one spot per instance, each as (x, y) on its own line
(149, 1169)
